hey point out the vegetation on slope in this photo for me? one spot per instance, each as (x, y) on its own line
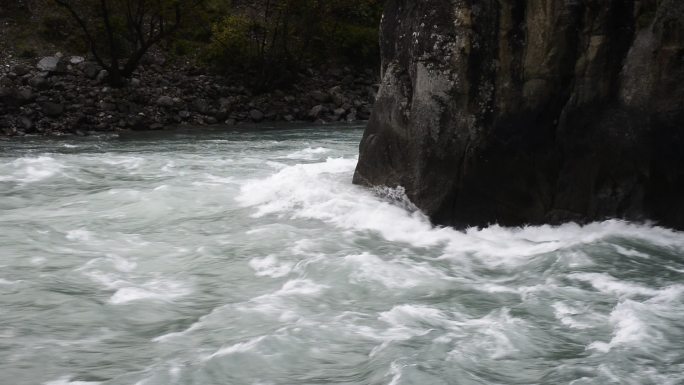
(268, 40)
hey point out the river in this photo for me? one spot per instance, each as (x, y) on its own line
(248, 257)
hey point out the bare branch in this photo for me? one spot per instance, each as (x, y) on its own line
(86, 31)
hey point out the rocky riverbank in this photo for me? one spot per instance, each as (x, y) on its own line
(69, 95)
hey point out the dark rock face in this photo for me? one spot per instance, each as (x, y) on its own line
(531, 111)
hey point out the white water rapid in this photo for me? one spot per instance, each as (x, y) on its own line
(249, 258)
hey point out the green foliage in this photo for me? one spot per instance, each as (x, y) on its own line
(274, 38)
(52, 26)
(231, 40)
(25, 50)
(57, 28)
(269, 39)
(120, 32)
(357, 44)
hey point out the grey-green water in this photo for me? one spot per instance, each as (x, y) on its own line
(250, 258)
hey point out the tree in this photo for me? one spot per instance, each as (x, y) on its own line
(273, 38)
(119, 33)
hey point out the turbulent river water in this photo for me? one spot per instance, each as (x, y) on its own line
(248, 257)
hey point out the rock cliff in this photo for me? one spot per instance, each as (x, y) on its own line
(531, 111)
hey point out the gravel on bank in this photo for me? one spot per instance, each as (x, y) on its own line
(69, 95)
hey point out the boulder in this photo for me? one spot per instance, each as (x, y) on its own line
(76, 60)
(165, 101)
(107, 106)
(6, 82)
(320, 96)
(339, 113)
(256, 115)
(351, 116)
(52, 109)
(39, 82)
(90, 69)
(26, 123)
(51, 64)
(25, 95)
(220, 115)
(20, 69)
(515, 113)
(316, 111)
(201, 105)
(6, 93)
(102, 76)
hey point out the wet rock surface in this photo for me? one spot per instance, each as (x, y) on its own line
(529, 112)
(69, 95)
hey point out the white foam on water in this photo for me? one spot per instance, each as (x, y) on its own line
(157, 290)
(122, 264)
(240, 347)
(630, 252)
(6, 282)
(496, 335)
(496, 288)
(66, 380)
(128, 193)
(629, 328)
(127, 162)
(214, 180)
(395, 372)
(125, 291)
(169, 336)
(500, 247)
(280, 304)
(323, 191)
(30, 169)
(675, 269)
(169, 167)
(316, 191)
(669, 294)
(130, 294)
(277, 193)
(575, 259)
(539, 264)
(270, 266)
(548, 286)
(175, 372)
(304, 246)
(195, 326)
(219, 179)
(81, 235)
(213, 315)
(415, 317)
(38, 260)
(298, 287)
(276, 165)
(308, 153)
(392, 274)
(608, 284)
(569, 316)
